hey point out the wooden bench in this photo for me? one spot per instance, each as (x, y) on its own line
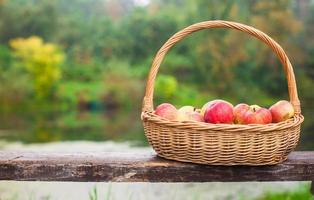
(143, 167)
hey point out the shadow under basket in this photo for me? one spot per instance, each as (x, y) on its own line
(222, 144)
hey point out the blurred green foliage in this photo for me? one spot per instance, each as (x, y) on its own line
(303, 192)
(41, 61)
(97, 54)
(165, 86)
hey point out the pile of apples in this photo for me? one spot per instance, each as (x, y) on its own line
(222, 112)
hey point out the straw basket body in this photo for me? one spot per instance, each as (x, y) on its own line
(222, 144)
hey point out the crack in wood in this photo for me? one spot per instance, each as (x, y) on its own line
(124, 177)
(15, 158)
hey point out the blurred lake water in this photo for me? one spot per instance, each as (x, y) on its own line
(40, 127)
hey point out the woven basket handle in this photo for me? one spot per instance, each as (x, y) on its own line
(293, 93)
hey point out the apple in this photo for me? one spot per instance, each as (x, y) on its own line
(239, 111)
(218, 111)
(257, 115)
(281, 111)
(189, 113)
(167, 110)
(254, 114)
(208, 104)
(187, 109)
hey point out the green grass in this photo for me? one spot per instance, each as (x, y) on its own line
(301, 193)
(93, 195)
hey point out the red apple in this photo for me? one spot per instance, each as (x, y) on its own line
(219, 111)
(281, 111)
(208, 104)
(189, 113)
(254, 114)
(166, 110)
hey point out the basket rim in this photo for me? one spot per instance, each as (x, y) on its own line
(150, 116)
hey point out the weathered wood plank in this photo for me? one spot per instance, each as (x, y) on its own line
(142, 167)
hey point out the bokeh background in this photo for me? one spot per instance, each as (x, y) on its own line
(76, 70)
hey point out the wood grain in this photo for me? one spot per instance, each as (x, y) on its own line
(142, 167)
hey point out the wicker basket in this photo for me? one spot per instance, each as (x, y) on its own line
(222, 144)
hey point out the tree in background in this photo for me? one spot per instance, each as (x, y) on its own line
(42, 61)
(21, 18)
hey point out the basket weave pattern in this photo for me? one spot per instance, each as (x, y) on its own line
(222, 144)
